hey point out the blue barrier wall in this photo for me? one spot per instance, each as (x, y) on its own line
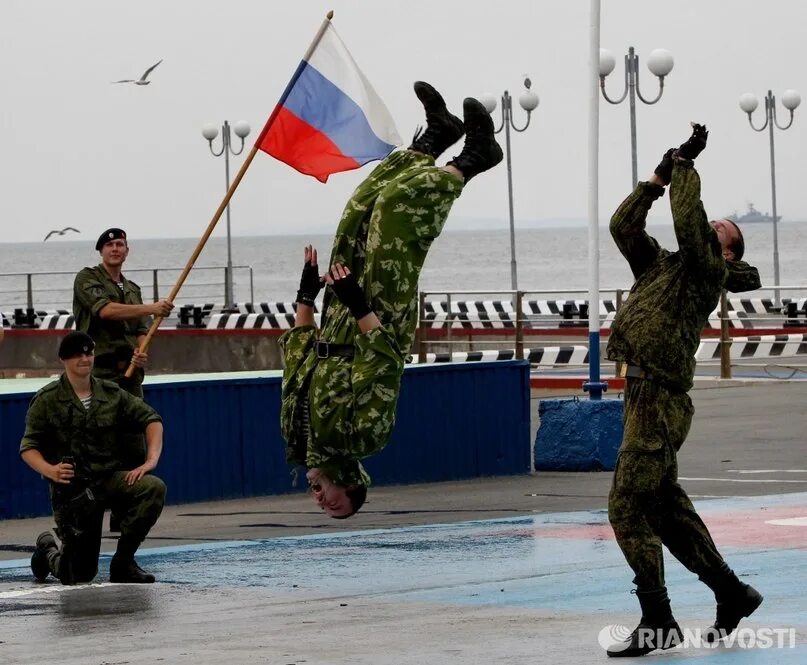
(222, 436)
(578, 435)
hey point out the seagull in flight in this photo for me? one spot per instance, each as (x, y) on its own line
(143, 80)
(56, 232)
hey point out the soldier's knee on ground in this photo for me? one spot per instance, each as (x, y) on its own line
(78, 574)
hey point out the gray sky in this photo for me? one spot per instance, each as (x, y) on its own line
(76, 150)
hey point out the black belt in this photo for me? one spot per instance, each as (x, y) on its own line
(634, 372)
(328, 350)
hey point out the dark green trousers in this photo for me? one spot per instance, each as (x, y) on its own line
(647, 507)
(79, 523)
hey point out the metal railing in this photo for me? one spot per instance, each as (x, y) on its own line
(787, 311)
(54, 290)
(520, 323)
(778, 315)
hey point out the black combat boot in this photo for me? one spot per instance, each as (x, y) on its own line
(128, 572)
(123, 567)
(40, 566)
(442, 128)
(735, 601)
(656, 630)
(480, 152)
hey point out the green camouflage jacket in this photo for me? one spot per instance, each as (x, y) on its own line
(351, 402)
(57, 424)
(92, 290)
(660, 325)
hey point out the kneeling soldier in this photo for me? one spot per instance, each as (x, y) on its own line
(73, 434)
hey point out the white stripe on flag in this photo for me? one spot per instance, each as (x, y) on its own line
(332, 59)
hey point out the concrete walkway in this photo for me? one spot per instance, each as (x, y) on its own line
(516, 570)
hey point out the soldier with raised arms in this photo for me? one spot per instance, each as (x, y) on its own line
(656, 334)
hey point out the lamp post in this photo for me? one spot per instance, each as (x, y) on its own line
(660, 63)
(210, 132)
(528, 100)
(748, 103)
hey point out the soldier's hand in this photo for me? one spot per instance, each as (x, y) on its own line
(162, 308)
(665, 167)
(310, 281)
(347, 290)
(136, 474)
(61, 473)
(139, 358)
(695, 144)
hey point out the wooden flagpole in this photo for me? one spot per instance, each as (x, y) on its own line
(233, 186)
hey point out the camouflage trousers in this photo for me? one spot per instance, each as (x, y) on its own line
(646, 506)
(79, 522)
(384, 235)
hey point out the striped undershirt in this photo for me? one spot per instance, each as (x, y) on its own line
(303, 415)
(86, 401)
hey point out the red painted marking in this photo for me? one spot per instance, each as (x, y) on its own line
(572, 382)
(269, 332)
(728, 528)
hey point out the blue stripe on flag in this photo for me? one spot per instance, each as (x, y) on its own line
(318, 102)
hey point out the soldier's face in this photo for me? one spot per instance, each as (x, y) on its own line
(80, 365)
(331, 498)
(727, 235)
(114, 252)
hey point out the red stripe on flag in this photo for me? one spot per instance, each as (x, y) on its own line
(298, 144)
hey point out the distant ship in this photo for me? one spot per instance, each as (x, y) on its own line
(753, 216)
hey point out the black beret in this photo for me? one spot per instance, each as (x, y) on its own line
(109, 234)
(75, 342)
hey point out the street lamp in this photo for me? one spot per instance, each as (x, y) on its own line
(748, 103)
(210, 132)
(660, 63)
(528, 100)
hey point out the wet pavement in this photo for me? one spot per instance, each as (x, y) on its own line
(514, 590)
(516, 570)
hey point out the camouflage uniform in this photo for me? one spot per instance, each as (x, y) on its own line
(384, 235)
(114, 340)
(659, 330)
(58, 425)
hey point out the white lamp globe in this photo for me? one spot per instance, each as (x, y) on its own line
(528, 100)
(488, 101)
(607, 62)
(241, 129)
(210, 132)
(791, 99)
(660, 62)
(749, 102)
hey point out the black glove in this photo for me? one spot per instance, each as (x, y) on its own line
(310, 285)
(695, 144)
(350, 294)
(665, 167)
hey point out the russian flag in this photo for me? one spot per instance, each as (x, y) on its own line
(329, 118)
